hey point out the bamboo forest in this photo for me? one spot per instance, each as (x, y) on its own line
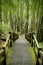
(21, 32)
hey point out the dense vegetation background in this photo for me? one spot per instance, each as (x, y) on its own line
(22, 16)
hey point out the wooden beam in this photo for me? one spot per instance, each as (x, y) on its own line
(36, 41)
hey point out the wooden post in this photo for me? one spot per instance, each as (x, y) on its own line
(10, 43)
(38, 56)
(10, 40)
(13, 36)
(4, 61)
(42, 60)
(32, 39)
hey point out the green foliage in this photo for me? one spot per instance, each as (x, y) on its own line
(9, 3)
(9, 54)
(33, 55)
(1, 28)
(24, 10)
(41, 45)
(4, 28)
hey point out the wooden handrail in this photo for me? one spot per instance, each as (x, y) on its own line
(1, 51)
(36, 41)
(37, 49)
(6, 41)
(41, 52)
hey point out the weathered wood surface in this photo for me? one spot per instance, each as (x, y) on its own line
(3, 50)
(37, 49)
(4, 46)
(38, 52)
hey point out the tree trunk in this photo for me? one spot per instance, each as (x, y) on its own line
(1, 11)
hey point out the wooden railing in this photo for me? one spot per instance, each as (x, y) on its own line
(37, 49)
(4, 48)
(3, 51)
(1, 55)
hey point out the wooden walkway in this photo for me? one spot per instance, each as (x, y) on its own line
(22, 53)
